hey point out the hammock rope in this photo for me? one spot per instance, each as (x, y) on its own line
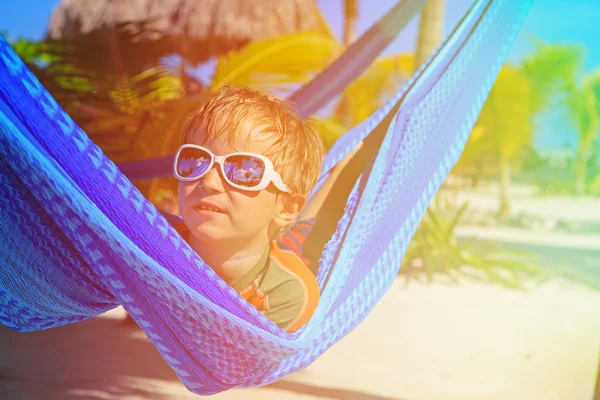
(77, 238)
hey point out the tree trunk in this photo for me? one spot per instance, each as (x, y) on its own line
(479, 165)
(431, 30)
(597, 391)
(505, 179)
(587, 140)
(350, 16)
(580, 172)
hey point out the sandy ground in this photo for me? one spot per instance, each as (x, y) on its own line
(524, 199)
(440, 341)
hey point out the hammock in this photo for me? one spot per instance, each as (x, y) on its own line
(77, 238)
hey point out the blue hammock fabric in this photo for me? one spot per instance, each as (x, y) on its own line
(77, 238)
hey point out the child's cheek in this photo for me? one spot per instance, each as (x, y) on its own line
(183, 191)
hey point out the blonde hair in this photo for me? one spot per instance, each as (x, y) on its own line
(297, 152)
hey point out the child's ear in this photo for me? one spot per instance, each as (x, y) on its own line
(288, 208)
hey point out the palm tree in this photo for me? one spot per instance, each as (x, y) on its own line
(504, 129)
(583, 102)
(556, 71)
(350, 17)
(431, 30)
(344, 118)
(507, 124)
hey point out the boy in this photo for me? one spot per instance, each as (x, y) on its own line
(246, 166)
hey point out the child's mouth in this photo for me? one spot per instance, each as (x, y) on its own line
(208, 210)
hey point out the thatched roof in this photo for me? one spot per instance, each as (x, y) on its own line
(213, 25)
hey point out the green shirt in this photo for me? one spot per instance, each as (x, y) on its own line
(274, 290)
(280, 286)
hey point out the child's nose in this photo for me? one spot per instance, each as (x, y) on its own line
(212, 181)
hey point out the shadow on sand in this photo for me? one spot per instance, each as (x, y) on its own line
(104, 358)
(94, 359)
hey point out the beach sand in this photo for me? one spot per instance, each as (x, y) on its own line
(438, 341)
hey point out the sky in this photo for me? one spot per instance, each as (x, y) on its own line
(553, 21)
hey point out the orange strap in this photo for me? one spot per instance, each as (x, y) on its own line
(297, 267)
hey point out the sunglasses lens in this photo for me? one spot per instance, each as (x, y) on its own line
(244, 171)
(192, 163)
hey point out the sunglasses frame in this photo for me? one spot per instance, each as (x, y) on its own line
(270, 175)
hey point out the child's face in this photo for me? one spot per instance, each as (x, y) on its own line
(247, 216)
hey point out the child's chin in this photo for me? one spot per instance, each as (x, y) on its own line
(208, 234)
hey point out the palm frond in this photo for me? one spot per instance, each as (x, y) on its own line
(126, 48)
(552, 67)
(152, 130)
(583, 103)
(329, 129)
(115, 106)
(276, 64)
(373, 88)
(106, 68)
(436, 250)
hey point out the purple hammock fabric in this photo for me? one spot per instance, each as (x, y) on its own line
(77, 238)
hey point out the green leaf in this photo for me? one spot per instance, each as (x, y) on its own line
(373, 88)
(329, 129)
(270, 64)
(456, 220)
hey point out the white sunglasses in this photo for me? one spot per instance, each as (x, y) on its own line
(242, 170)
